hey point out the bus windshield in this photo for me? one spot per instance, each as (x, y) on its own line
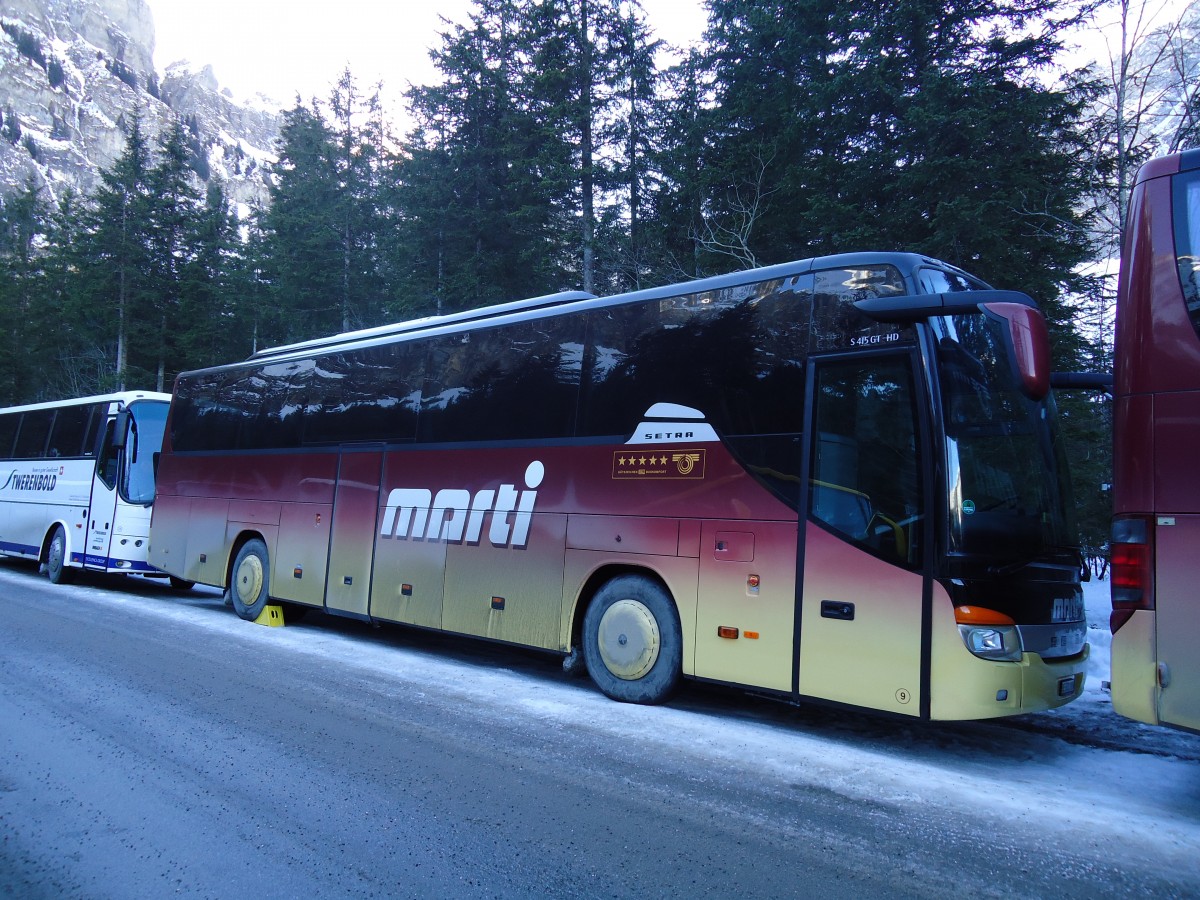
(1008, 489)
(145, 438)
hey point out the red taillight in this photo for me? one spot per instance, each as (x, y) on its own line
(1132, 568)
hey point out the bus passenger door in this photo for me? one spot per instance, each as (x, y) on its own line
(862, 599)
(352, 531)
(103, 509)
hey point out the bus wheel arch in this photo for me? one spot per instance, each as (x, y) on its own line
(631, 636)
(248, 582)
(56, 555)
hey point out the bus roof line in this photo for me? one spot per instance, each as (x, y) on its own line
(533, 304)
(427, 322)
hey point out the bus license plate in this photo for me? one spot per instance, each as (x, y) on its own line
(1067, 609)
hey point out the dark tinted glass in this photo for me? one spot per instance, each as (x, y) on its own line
(273, 398)
(515, 382)
(205, 415)
(866, 472)
(365, 395)
(35, 428)
(736, 355)
(70, 429)
(837, 325)
(1187, 241)
(8, 432)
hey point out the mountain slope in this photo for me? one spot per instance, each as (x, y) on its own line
(72, 75)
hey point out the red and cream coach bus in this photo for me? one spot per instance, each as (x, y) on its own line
(1156, 426)
(77, 481)
(836, 479)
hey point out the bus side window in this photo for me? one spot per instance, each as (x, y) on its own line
(70, 426)
(108, 464)
(35, 430)
(8, 433)
(865, 477)
(1187, 241)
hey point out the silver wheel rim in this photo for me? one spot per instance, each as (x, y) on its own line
(248, 580)
(628, 639)
(57, 551)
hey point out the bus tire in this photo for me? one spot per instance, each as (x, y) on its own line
(249, 580)
(632, 642)
(56, 557)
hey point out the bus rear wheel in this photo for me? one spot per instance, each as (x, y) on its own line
(632, 641)
(56, 557)
(249, 580)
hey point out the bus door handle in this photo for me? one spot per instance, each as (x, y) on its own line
(837, 609)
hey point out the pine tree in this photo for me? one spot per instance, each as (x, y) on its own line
(116, 285)
(173, 222)
(303, 244)
(22, 221)
(491, 229)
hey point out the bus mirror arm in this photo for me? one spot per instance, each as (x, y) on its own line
(917, 308)
(1085, 381)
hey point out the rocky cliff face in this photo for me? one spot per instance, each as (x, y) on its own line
(72, 75)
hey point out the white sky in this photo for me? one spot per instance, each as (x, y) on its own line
(281, 47)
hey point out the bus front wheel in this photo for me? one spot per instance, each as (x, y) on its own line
(632, 641)
(56, 557)
(249, 580)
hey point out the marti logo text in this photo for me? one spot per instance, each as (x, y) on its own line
(455, 516)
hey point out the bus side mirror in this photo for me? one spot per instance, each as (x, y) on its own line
(1027, 345)
(120, 429)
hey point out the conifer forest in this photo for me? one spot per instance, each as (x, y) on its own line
(558, 152)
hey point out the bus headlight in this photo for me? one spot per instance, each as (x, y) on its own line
(992, 641)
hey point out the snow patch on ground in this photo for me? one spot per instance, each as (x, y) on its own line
(1080, 773)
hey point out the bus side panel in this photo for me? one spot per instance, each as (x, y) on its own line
(1134, 668)
(680, 575)
(747, 583)
(352, 538)
(168, 536)
(299, 564)
(509, 593)
(1157, 348)
(1176, 435)
(207, 550)
(34, 495)
(1178, 619)
(408, 580)
(1133, 454)
(860, 638)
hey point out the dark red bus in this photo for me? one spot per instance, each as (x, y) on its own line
(835, 479)
(1156, 424)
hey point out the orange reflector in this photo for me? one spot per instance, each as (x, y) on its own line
(977, 615)
(727, 631)
(753, 581)
(751, 635)
(497, 603)
(406, 590)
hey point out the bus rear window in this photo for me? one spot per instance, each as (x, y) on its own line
(1187, 241)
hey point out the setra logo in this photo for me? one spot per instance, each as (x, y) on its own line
(455, 516)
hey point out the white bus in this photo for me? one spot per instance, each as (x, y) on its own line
(77, 481)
